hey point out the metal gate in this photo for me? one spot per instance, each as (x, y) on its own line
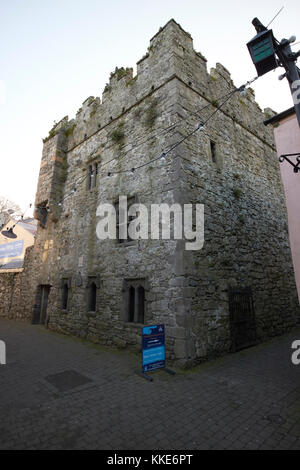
(242, 318)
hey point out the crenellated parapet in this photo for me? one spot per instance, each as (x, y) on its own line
(170, 56)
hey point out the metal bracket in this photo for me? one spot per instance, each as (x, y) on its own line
(144, 375)
(285, 157)
(147, 377)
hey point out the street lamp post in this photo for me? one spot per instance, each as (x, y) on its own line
(267, 54)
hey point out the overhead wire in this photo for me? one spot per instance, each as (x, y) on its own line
(163, 155)
(199, 127)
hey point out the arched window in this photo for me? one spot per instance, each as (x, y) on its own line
(134, 300)
(93, 284)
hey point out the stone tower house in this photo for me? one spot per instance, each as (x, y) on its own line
(239, 288)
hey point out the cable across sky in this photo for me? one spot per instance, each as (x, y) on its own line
(162, 156)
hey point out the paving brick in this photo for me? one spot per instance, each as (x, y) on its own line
(247, 400)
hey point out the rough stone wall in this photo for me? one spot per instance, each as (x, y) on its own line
(246, 240)
(246, 236)
(72, 249)
(7, 283)
(16, 289)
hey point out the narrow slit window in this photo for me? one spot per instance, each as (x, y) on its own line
(95, 175)
(213, 151)
(120, 216)
(65, 296)
(90, 177)
(92, 300)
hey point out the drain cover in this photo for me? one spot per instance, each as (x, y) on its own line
(67, 380)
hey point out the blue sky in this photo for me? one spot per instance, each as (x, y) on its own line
(54, 54)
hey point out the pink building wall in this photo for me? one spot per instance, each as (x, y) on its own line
(287, 138)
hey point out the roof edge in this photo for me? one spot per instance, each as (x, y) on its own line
(280, 116)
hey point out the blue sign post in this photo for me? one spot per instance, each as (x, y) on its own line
(153, 342)
(153, 350)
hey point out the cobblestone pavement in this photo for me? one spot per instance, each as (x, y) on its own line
(247, 400)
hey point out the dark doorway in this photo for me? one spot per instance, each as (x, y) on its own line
(242, 318)
(141, 304)
(92, 299)
(131, 304)
(40, 308)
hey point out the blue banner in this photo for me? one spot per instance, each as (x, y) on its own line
(10, 250)
(153, 346)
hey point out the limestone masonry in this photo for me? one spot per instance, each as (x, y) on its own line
(237, 290)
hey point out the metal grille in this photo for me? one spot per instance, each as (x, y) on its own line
(242, 318)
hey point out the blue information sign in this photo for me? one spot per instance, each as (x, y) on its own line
(153, 345)
(12, 249)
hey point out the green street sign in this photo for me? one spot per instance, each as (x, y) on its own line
(262, 52)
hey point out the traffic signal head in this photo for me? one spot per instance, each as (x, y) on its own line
(262, 52)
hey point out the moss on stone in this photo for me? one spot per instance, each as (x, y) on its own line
(131, 81)
(118, 135)
(10, 278)
(52, 132)
(107, 88)
(237, 192)
(151, 113)
(242, 102)
(64, 171)
(120, 72)
(69, 131)
(241, 219)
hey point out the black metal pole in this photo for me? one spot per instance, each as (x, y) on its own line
(288, 60)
